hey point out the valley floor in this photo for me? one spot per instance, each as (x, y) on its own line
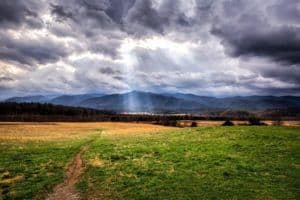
(142, 161)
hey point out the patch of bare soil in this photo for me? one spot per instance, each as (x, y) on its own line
(66, 190)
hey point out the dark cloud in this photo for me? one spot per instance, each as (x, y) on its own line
(136, 18)
(108, 71)
(17, 12)
(117, 10)
(97, 23)
(282, 45)
(60, 12)
(145, 15)
(5, 79)
(120, 78)
(96, 5)
(31, 52)
(105, 45)
(248, 33)
(144, 18)
(288, 74)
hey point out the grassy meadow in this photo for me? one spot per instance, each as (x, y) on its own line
(141, 161)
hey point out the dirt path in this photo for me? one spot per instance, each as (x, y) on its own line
(66, 190)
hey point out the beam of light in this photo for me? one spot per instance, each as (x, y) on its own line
(129, 61)
(133, 102)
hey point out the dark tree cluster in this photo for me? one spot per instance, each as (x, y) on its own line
(56, 113)
(49, 112)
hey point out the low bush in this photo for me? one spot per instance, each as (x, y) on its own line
(277, 122)
(255, 122)
(194, 124)
(228, 123)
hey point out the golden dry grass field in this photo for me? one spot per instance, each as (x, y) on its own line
(66, 131)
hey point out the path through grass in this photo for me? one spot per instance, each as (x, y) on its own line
(32, 169)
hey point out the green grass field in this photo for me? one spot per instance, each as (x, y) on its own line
(201, 163)
(238, 162)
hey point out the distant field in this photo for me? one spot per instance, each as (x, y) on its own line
(141, 161)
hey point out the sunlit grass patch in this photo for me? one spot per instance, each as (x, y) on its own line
(96, 162)
(23, 132)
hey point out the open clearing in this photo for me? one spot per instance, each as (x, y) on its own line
(142, 161)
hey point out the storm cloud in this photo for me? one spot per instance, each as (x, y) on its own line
(14, 13)
(215, 47)
(31, 52)
(267, 32)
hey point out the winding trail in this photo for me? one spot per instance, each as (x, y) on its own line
(66, 190)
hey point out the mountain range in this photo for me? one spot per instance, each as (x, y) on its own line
(137, 101)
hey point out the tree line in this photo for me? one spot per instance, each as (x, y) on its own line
(10, 111)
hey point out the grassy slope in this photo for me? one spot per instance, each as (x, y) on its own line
(31, 169)
(201, 163)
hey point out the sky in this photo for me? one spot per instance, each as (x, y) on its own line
(205, 47)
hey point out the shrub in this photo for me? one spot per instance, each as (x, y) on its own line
(194, 124)
(167, 122)
(228, 123)
(255, 122)
(277, 122)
